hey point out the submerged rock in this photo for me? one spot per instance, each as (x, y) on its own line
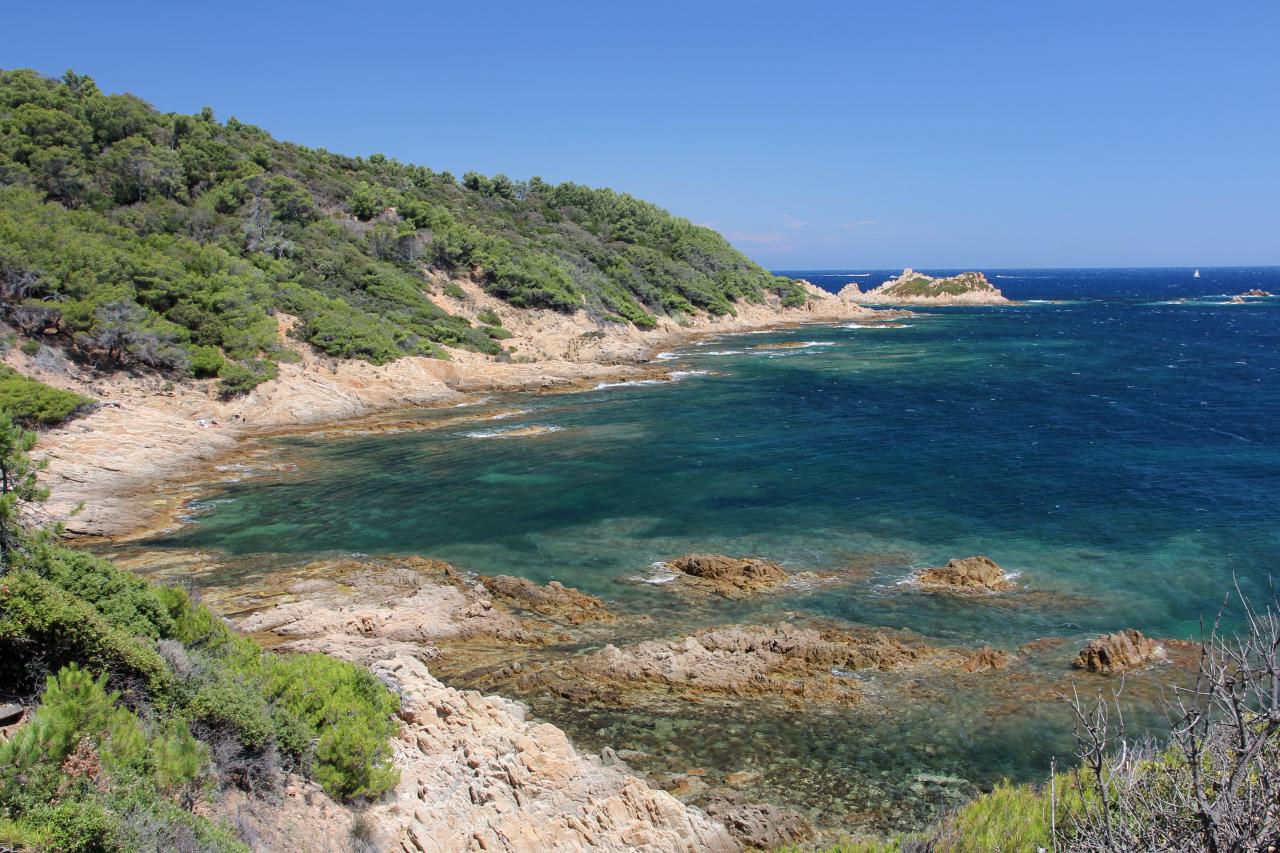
(759, 825)
(1117, 652)
(967, 574)
(986, 658)
(730, 576)
(782, 660)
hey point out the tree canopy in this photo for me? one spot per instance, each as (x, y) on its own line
(165, 241)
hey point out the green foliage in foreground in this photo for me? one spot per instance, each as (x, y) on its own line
(87, 774)
(1008, 819)
(33, 403)
(150, 701)
(317, 715)
(166, 241)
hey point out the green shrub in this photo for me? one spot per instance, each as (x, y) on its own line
(31, 346)
(350, 713)
(123, 600)
(84, 774)
(33, 403)
(239, 377)
(454, 290)
(37, 614)
(489, 317)
(206, 361)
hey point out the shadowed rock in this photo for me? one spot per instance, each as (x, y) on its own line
(1117, 652)
(969, 574)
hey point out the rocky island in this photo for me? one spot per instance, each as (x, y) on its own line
(917, 288)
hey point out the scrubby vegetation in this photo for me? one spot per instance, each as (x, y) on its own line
(149, 702)
(163, 241)
(923, 285)
(33, 403)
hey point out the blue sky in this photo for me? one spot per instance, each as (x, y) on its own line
(848, 134)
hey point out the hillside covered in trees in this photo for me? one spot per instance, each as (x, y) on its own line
(158, 240)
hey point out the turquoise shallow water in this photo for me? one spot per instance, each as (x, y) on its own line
(1119, 450)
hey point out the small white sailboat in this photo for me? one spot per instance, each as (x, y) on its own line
(1196, 274)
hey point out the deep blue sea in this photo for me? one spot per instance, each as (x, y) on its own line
(1114, 439)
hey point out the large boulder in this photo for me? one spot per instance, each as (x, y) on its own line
(967, 574)
(1117, 652)
(730, 576)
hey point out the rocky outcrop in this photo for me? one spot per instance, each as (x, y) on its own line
(477, 775)
(967, 574)
(916, 288)
(407, 606)
(1256, 293)
(784, 661)
(1117, 652)
(729, 576)
(986, 658)
(554, 600)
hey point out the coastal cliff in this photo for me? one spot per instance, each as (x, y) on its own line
(917, 288)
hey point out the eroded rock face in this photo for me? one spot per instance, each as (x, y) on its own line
(968, 574)
(476, 775)
(1117, 652)
(730, 576)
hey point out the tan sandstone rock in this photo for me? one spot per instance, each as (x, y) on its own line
(730, 576)
(1117, 652)
(554, 599)
(968, 574)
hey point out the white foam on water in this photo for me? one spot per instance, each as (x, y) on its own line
(677, 375)
(513, 431)
(629, 383)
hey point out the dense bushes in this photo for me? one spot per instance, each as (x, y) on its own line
(149, 700)
(84, 771)
(254, 712)
(166, 241)
(35, 404)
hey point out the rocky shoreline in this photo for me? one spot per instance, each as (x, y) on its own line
(149, 431)
(478, 771)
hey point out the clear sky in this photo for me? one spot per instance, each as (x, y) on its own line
(841, 134)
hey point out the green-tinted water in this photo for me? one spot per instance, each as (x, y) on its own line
(1121, 456)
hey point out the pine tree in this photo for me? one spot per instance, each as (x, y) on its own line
(18, 486)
